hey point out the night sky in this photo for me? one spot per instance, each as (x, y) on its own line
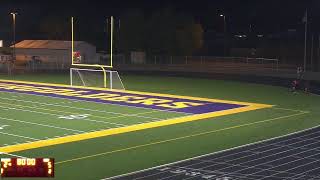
(264, 16)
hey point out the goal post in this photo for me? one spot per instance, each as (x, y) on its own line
(96, 78)
(90, 72)
(76, 56)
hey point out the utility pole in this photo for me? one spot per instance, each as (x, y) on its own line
(14, 34)
(225, 33)
(311, 58)
(305, 20)
(318, 53)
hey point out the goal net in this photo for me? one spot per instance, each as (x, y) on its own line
(95, 78)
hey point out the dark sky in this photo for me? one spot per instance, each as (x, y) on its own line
(265, 16)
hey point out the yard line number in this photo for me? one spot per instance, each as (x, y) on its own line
(77, 116)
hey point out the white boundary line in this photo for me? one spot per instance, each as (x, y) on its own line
(286, 109)
(12, 155)
(237, 147)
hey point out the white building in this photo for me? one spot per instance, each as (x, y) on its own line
(53, 52)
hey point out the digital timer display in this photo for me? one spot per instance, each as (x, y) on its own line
(27, 167)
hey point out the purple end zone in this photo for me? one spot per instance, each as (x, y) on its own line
(200, 108)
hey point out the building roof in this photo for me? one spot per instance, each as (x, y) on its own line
(46, 44)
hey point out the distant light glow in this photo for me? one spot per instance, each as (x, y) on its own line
(241, 35)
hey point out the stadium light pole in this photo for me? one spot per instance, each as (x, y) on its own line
(224, 30)
(14, 33)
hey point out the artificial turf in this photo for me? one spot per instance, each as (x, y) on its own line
(113, 155)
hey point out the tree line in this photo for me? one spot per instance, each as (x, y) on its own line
(164, 32)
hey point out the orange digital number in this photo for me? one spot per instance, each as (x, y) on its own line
(49, 165)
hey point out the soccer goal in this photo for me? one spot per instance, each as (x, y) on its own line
(95, 78)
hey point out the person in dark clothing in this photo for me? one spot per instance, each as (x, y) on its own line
(294, 86)
(306, 86)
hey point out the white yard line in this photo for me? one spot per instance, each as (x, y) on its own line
(44, 125)
(25, 137)
(58, 115)
(14, 155)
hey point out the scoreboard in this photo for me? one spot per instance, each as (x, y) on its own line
(27, 167)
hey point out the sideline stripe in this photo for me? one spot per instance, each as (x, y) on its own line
(179, 138)
(108, 132)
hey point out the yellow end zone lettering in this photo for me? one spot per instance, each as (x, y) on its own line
(178, 105)
(150, 101)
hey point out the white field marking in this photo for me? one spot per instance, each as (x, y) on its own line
(77, 116)
(19, 109)
(286, 109)
(94, 110)
(117, 124)
(83, 100)
(106, 122)
(3, 126)
(14, 155)
(25, 137)
(56, 115)
(45, 125)
(209, 154)
(86, 109)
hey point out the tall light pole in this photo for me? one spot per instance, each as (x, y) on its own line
(305, 20)
(224, 30)
(14, 33)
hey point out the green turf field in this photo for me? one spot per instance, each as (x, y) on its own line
(117, 154)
